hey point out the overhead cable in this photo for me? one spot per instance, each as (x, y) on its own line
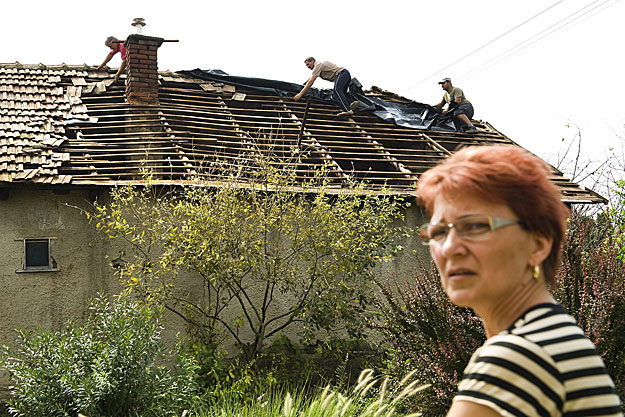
(485, 45)
(524, 44)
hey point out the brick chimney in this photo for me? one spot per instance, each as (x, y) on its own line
(142, 69)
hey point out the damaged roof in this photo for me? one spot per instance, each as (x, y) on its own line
(71, 125)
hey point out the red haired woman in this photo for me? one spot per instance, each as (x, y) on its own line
(495, 234)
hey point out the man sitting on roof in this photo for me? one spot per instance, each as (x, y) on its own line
(330, 72)
(116, 46)
(458, 103)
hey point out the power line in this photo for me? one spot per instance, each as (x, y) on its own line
(485, 45)
(519, 48)
(513, 51)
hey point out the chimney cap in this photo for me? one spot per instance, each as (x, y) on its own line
(138, 22)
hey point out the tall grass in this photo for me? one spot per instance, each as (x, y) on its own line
(371, 397)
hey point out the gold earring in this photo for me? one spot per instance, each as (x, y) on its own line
(536, 272)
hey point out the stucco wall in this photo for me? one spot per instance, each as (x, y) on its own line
(48, 299)
(404, 264)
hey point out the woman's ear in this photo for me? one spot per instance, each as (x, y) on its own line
(540, 248)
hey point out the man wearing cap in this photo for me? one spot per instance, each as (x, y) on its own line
(333, 73)
(457, 103)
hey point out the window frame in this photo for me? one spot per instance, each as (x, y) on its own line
(50, 267)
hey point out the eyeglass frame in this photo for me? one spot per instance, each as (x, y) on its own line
(494, 223)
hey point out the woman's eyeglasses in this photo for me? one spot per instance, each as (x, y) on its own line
(474, 227)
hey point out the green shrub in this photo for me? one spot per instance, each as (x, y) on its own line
(336, 361)
(110, 366)
(425, 332)
(284, 365)
(221, 378)
(307, 252)
(591, 285)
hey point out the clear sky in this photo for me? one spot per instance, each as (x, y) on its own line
(530, 67)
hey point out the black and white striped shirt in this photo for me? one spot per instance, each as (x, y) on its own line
(543, 365)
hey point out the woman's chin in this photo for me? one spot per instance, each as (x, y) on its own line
(461, 298)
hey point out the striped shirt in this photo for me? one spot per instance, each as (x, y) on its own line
(543, 365)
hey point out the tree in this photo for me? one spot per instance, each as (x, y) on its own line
(268, 248)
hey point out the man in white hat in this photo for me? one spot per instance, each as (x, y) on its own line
(461, 108)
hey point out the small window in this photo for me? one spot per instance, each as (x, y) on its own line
(37, 255)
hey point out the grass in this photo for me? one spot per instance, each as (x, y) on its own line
(371, 397)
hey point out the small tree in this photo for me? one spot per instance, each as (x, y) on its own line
(110, 366)
(264, 246)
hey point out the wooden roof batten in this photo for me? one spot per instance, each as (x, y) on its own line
(70, 125)
(312, 143)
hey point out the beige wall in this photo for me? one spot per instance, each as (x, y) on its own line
(405, 263)
(48, 299)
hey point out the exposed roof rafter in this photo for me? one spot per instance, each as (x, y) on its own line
(70, 125)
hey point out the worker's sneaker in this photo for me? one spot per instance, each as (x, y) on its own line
(354, 105)
(470, 129)
(346, 113)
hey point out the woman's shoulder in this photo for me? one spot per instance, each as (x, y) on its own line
(541, 360)
(512, 375)
(550, 328)
(518, 355)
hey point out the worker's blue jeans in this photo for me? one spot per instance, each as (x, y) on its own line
(341, 82)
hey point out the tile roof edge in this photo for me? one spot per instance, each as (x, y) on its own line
(93, 68)
(45, 66)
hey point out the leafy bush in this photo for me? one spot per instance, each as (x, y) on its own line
(427, 333)
(336, 361)
(282, 366)
(223, 378)
(110, 366)
(591, 285)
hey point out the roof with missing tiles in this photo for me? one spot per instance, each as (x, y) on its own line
(71, 125)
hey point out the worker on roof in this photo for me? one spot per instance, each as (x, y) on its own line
(116, 46)
(330, 72)
(457, 103)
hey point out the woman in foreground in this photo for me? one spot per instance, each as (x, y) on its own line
(495, 234)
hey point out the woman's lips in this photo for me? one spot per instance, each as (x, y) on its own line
(460, 273)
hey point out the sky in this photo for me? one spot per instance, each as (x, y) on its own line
(538, 71)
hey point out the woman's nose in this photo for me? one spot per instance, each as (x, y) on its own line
(452, 243)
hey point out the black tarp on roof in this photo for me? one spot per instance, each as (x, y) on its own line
(412, 115)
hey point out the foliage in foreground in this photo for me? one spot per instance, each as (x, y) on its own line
(110, 366)
(266, 250)
(283, 365)
(591, 285)
(370, 397)
(335, 361)
(425, 332)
